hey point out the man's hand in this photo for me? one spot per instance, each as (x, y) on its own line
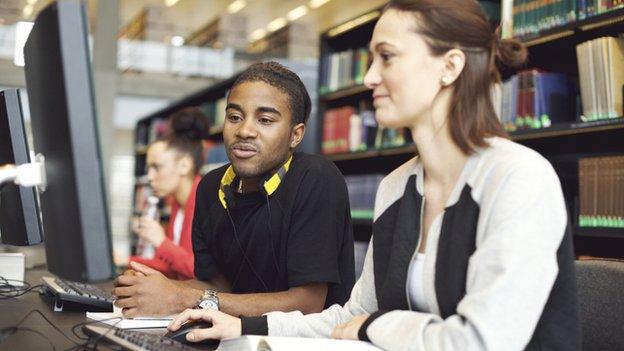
(142, 291)
(151, 231)
(350, 329)
(224, 326)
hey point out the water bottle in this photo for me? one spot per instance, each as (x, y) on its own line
(144, 248)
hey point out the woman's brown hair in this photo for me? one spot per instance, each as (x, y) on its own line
(187, 130)
(462, 24)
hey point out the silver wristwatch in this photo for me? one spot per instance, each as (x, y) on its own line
(209, 300)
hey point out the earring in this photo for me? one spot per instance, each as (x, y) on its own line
(446, 80)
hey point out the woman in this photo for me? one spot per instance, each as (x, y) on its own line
(173, 165)
(469, 246)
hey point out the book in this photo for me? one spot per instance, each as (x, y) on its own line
(116, 319)
(601, 74)
(601, 192)
(278, 343)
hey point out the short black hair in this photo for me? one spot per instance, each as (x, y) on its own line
(286, 81)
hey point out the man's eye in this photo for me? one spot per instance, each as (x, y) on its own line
(233, 118)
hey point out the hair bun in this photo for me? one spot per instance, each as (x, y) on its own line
(190, 123)
(511, 52)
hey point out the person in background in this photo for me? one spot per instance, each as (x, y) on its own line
(470, 247)
(173, 164)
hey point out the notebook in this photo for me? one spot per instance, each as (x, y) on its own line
(278, 343)
(116, 319)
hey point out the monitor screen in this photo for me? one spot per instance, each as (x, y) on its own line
(20, 223)
(64, 126)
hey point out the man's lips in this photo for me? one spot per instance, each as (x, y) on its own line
(244, 150)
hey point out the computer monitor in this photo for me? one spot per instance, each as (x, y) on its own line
(64, 126)
(20, 223)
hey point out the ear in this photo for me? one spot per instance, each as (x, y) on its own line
(296, 135)
(185, 165)
(454, 62)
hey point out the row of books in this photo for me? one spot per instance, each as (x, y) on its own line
(601, 192)
(343, 69)
(215, 111)
(601, 75)
(535, 99)
(148, 132)
(347, 130)
(362, 190)
(530, 17)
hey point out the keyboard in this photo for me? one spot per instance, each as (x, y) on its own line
(75, 295)
(133, 340)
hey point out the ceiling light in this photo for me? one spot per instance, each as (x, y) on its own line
(31, 2)
(177, 40)
(257, 34)
(170, 3)
(276, 24)
(317, 3)
(28, 10)
(297, 13)
(236, 6)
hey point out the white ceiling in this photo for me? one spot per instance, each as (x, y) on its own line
(190, 15)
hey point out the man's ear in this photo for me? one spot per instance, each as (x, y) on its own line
(296, 135)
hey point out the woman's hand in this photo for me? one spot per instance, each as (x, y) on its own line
(224, 326)
(151, 231)
(350, 329)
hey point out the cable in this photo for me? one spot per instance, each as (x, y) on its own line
(47, 320)
(266, 288)
(271, 239)
(9, 291)
(26, 329)
(17, 328)
(89, 340)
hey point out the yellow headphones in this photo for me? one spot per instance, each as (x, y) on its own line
(269, 185)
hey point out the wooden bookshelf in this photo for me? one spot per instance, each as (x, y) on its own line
(345, 92)
(607, 20)
(598, 232)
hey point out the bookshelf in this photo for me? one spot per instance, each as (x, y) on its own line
(202, 99)
(562, 143)
(295, 40)
(225, 30)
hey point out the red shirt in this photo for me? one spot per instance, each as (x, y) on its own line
(176, 261)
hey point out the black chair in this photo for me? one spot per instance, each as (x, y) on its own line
(600, 285)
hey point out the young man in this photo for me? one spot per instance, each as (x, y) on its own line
(271, 230)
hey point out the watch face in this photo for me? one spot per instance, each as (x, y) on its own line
(209, 304)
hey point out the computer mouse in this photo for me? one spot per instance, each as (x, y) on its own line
(180, 334)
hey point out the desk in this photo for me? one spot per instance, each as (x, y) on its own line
(13, 310)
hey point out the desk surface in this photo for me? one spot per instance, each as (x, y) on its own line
(13, 310)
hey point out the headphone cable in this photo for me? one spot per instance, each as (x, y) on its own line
(277, 269)
(240, 246)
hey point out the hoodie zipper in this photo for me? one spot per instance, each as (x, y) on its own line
(422, 211)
